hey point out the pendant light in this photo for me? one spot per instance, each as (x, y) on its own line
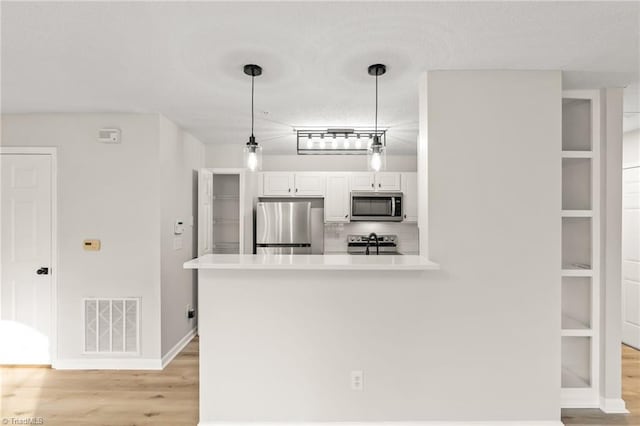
(252, 151)
(376, 156)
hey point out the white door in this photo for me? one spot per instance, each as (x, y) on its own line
(631, 256)
(336, 202)
(362, 182)
(309, 184)
(387, 181)
(26, 255)
(277, 184)
(410, 197)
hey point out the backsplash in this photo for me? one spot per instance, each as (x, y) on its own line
(335, 234)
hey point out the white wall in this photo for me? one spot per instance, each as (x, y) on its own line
(611, 247)
(230, 155)
(109, 192)
(128, 196)
(493, 205)
(181, 155)
(631, 148)
(478, 340)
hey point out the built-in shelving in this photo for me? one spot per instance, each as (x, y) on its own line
(220, 211)
(580, 250)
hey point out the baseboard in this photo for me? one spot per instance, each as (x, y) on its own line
(613, 406)
(108, 364)
(178, 347)
(390, 423)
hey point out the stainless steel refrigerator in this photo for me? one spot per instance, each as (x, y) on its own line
(288, 228)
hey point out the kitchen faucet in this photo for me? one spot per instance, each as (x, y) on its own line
(374, 235)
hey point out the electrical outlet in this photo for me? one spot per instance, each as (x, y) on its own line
(357, 383)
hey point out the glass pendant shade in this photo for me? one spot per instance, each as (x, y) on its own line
(376, 156)
(253, 156)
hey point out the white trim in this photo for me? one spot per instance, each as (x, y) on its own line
(53, 152)
(178, 347)
(613, 405)
(38, 150)
(392, 423)
(108, 364)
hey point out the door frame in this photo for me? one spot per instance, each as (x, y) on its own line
(53, 152)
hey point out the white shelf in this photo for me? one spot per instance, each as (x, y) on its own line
(571, 327)
(577, 213)
(572, 380)
(577, 154)
(577, 272)
(222, 221)
(226, 197)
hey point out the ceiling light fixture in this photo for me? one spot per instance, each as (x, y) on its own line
(376, 152)
(252, 151)
(312, 141)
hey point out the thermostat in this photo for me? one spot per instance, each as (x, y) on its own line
(178, 228)
(109, 135)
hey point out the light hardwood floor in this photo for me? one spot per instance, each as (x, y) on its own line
(170, 397)
(114, 398)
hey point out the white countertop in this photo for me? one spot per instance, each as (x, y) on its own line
(336, 262)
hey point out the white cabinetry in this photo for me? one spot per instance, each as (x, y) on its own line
(277, 184)
(383, 181)
(387, 181)
(336, 200)
(362, 182)
(410, 197)
(288, 184)
(309, 184)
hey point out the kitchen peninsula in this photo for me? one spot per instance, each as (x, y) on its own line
(474, 336)
(275, 327)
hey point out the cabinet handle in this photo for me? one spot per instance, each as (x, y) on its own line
(296, 189)
(289, 189)
(346, 216)
(405, 216)
(372, 185)
(379, 185)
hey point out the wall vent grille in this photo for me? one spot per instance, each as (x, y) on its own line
(111, 325)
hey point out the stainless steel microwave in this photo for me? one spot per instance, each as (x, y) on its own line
(376, 206)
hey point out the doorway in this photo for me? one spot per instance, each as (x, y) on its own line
(631, 255)
(28, 267)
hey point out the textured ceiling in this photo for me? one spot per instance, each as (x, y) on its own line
(185, 59)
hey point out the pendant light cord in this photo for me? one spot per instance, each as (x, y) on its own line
(253, 78)
(376, 125)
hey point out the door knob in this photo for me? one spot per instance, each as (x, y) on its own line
(43, 271)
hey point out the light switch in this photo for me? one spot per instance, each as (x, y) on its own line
(91, 245)
(177, 243)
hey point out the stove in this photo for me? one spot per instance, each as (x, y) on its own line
(357, 244)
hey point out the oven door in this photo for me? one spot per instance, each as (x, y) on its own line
(376, 207)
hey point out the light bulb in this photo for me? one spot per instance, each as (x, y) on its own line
(376, 161)
(252, 161)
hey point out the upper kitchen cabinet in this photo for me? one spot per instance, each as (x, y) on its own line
(289, 184)
(383, 181)
(278, 184)
(387, 181)
(362, 182)
(410, 197)
(309, 184)
(336, 200)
